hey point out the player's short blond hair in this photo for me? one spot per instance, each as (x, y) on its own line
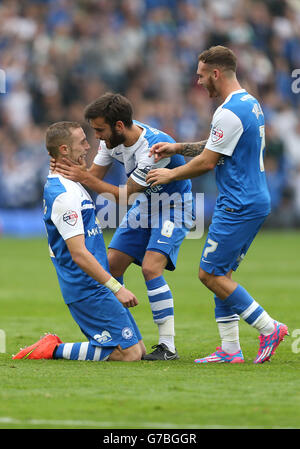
(59, 133)
(220, 57)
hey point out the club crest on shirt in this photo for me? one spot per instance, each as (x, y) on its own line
(70, 217)
(216, 134)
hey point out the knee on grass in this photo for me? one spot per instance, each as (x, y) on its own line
(132, 354)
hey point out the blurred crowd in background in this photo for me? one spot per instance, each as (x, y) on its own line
(59, 55)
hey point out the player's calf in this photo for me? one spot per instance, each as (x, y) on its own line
(222, 286)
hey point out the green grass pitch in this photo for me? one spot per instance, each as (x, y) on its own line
(56, 394)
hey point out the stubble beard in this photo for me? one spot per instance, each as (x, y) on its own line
(115, 140)
(212, 91)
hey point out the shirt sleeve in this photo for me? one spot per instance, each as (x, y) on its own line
(66, 215)
(225, 133)
(103, 157)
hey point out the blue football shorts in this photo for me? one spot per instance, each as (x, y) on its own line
(164, 238)
(227, 242)
(105, 322)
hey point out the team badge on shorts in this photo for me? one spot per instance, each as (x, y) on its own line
(104, 337)
(127, 333)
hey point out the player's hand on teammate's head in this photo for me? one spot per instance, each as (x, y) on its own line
(126, 297)
(52, 164)
(81, 163)
(70, 170)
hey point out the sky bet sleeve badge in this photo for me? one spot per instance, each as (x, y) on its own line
(70, 217)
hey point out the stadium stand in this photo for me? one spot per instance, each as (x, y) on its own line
(59, 55)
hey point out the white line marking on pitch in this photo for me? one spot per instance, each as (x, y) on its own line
(79, 423)
(110, 424)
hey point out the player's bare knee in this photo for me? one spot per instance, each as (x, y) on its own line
(114, 265)
(148, 273)
(132, 354)
(205, 278)
(142, 347)
(151, 271)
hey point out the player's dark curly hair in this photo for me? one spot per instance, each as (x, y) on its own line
(112, 107)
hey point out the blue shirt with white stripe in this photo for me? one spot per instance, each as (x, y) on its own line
(70, 211)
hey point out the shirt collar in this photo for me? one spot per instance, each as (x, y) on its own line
(239, 91)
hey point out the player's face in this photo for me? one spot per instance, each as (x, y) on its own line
(79, 147)
(113, 136)
(206, 79)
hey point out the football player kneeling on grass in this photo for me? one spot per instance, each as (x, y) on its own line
(98, 302)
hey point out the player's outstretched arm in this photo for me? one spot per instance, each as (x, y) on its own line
(89, 264)
(201, 164)
(90, 178)
(193, 149)
(99, 171)
(74, 172)
(163, 150)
